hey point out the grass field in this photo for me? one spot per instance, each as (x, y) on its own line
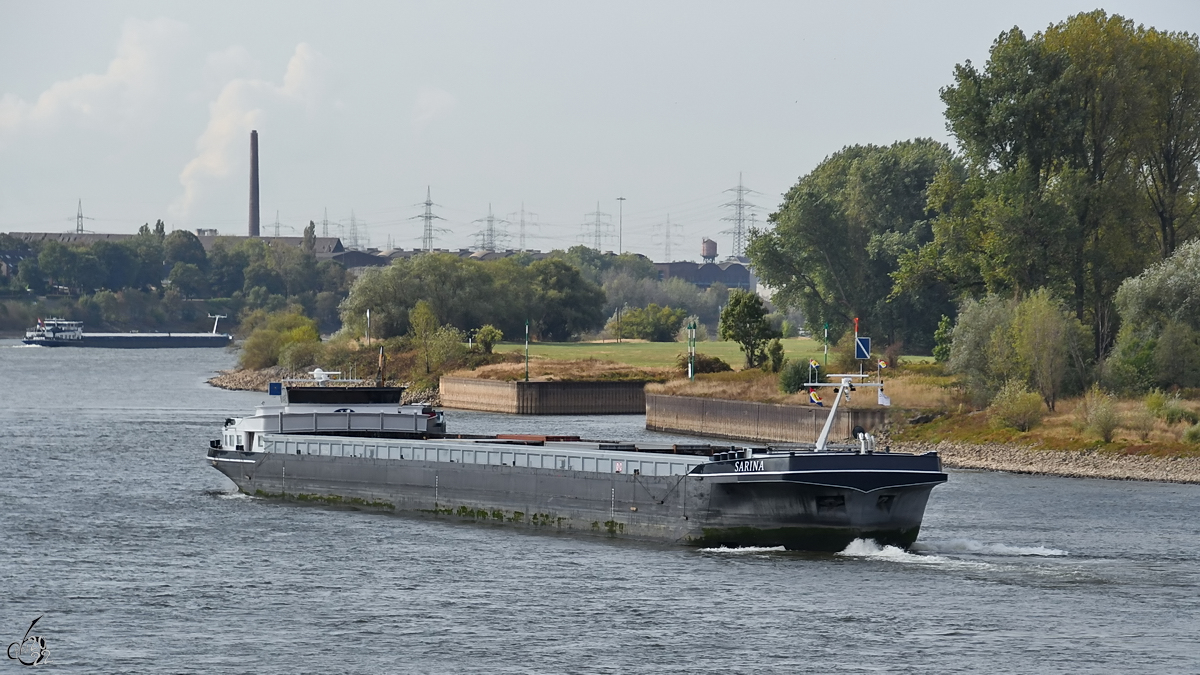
(654, 354)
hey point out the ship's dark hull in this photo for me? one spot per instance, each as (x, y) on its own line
(811, 509)
(138, 341)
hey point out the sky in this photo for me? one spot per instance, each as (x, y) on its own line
(143, 110)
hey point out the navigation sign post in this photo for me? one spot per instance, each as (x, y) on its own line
(826, 344)
(862, 348)
(692, 350)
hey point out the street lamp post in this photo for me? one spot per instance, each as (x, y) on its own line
(526, 350)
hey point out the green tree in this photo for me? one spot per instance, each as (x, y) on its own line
(775, 357)
(590, 263)
(58, 263)
(29, 275)
(942, 339)
(653, 323)
(119, 263)
(1169, 147)
(487, 336)
(226, 267)
(840, 234)
(435, 344)
(182, 246)
(1043, 334)
(744, 321)
(147, 249)
(1160, 313)
(1166, 291)
(310, 238)
(1080, 151)
(270, 334)
(188, 279)
(566, 304)
(980, 349)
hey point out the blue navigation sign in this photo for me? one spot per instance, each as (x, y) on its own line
(862, 347)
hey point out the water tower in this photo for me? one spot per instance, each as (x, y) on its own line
(708, 250)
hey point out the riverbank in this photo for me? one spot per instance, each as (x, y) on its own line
(257, 380)
(1068, 463)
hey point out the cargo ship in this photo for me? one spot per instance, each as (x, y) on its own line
(359, 447)
(63, 333)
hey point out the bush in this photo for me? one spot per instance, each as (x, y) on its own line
(704, 364)
(775, 357)
(1016, 407)
(272, 333)
(1100, 413)
(1173, 413)
(653, 323)
(1155, 401)
(487, 336)
(793, 376)
(942, 339)
(1140, 422)
(701, 330)
(1177, 356)
(301, 355)
(1192, 434)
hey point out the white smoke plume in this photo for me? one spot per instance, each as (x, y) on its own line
(240, 107)
(123, 92)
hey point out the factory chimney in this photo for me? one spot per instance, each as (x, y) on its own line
(254, 184)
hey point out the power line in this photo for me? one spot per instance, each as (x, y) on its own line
(428, 236)
(668, 235)
(532, 221)
(621, 225)
(488, 236)
(601, 229)
(353, 238)
(80, 218)
(739, 206)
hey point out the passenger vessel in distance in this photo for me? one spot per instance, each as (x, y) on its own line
(358, 446)
(63, 333)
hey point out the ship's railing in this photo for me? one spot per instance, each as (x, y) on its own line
(299, 423)
(559, 458)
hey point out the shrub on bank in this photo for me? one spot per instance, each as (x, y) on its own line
(1192, 433)
(1140, 422)
(1016, 407)
(1099, 413)
(297, 356)
(704, 364)
(793, 376)
(273, 334)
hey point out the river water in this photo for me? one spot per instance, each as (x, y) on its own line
(141, 558)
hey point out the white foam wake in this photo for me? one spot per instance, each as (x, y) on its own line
(744, 549)
(979, 548)
(867, 548)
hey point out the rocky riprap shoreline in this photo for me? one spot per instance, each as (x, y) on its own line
(257, 380)
(1070, 463)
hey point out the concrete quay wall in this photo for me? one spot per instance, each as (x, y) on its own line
(544, 398)
(762, 422)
